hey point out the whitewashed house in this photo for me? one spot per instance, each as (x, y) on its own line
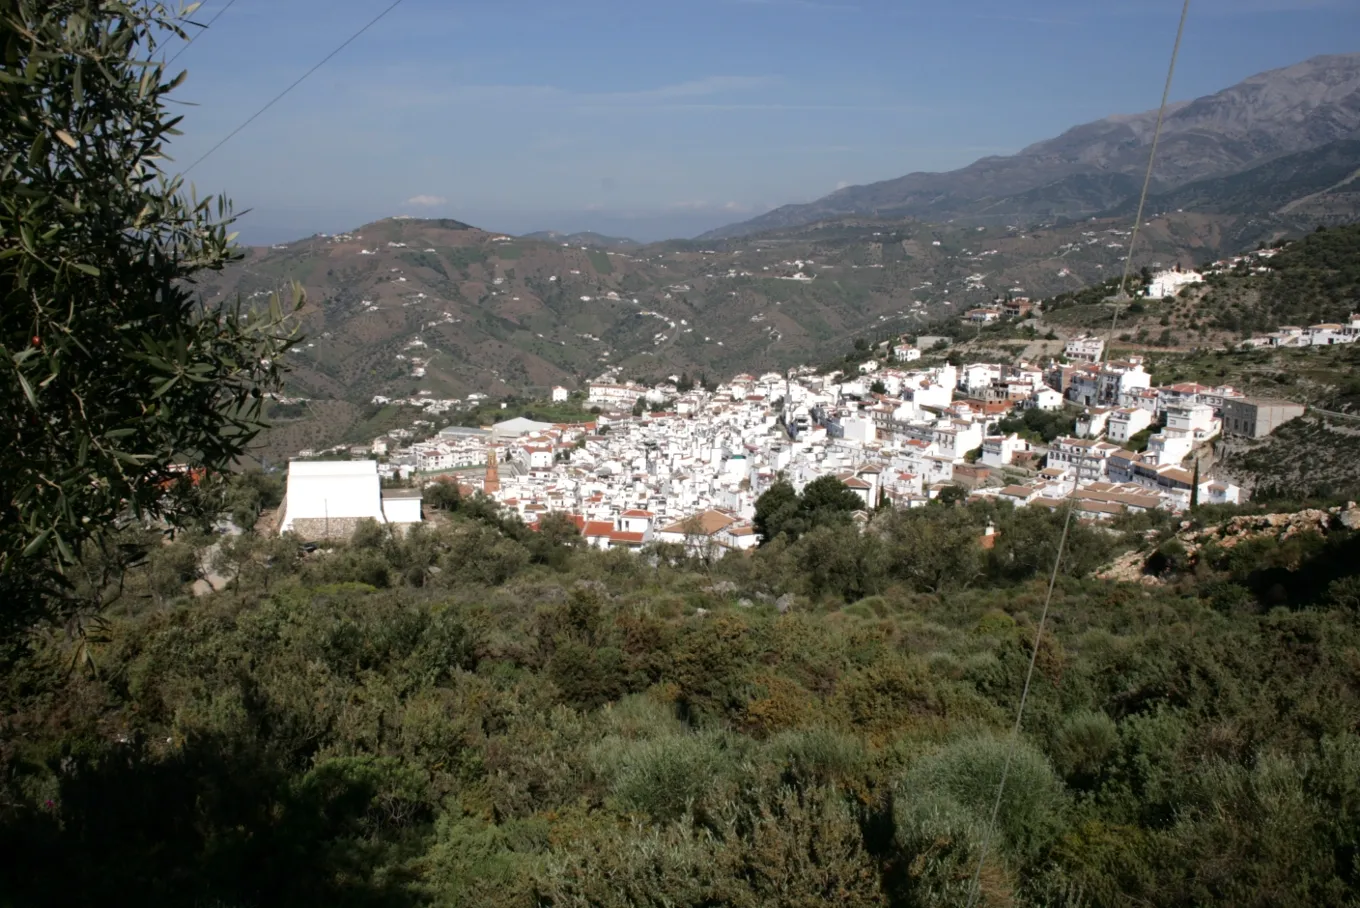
(1084, 349)
(1127, 422)
(1000, 450)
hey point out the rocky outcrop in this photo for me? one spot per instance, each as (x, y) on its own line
(1129, 567)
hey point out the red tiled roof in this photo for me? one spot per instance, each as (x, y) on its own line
(620, 536)
(598, 528)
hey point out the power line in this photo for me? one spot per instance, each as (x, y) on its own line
(975, 891)
(348, 41)
(194, 38)
(1152, 157)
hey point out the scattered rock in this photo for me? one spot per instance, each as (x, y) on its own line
(1129, 567)
(1349, 516)
(765, 598)
(784, 603)
(722, 588)
(745, 603)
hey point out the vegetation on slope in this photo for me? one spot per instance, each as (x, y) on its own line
(476, 714)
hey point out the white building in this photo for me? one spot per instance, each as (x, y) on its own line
(905, 353)
(1169, 283)
(1046, 399)
(401, 506)
(1125, 423)
(326, 498)
(617, 395)
(559, 394)
(1084, 349)
(1000, 450)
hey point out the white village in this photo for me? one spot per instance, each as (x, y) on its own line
(661, 465)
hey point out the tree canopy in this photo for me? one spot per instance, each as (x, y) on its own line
(116, 378)
(781, 511)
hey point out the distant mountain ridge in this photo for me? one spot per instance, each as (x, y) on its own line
(1095, 167)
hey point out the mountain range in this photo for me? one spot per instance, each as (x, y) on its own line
(1098, 167)
(403, 306)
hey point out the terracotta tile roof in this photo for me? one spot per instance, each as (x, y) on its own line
(598, 528)
(705, 524)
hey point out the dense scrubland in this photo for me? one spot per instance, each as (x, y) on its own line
(480, 714)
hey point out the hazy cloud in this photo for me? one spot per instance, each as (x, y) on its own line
(427, 201)
(705, 205)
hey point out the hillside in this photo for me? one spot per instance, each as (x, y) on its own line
(1097, 166)
(1321, 182)
(480, 715)
(508, 316)
(586, 238)
(1316, 279)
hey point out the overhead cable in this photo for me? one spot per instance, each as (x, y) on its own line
(975, 890)
(279, 97)
(195, 35)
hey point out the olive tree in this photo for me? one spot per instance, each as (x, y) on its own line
(115, 374)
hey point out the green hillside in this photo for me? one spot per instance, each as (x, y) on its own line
(477, 715)
(515, 316)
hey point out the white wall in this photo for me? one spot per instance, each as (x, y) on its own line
(321, 489)
(402, 510)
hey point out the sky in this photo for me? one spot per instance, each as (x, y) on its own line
(665, 118)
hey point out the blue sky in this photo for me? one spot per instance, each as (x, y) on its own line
(656, 118)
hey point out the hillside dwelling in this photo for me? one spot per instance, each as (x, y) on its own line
(1000, 450)
(698, 532)
(1328, 333)
(1257, 417)
(636, 520)
(1084, 349)
(1045, 399)
(1092, 423)
(618, 395)
(559, 394)
(1169, 283)
(1020, 307)
(739, 537)
(983, 316)
(1125, 423)
(326, 499)
(905, 353)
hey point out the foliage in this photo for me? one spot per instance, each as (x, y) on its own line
(780, 511)
(114, 374)
(1039, 425)
(471, 712)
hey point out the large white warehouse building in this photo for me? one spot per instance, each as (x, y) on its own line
(327, 498)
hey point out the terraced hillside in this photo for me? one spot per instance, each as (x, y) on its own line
(478, 311)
